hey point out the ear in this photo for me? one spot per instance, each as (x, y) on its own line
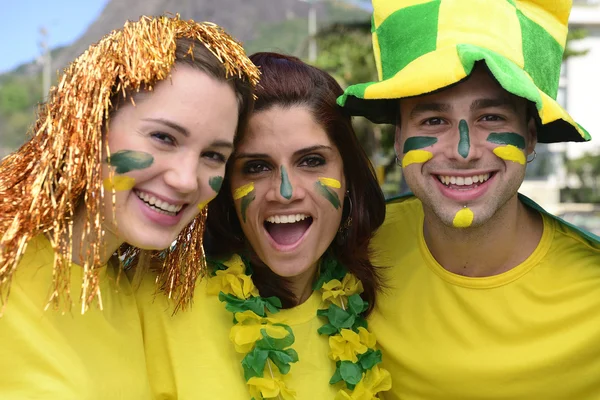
(397, 140)
(531, 135)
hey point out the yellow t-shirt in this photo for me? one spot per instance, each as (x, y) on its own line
(530, 333)
(51, 355)
(190, 356)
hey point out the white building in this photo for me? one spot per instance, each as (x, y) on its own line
(580, 94)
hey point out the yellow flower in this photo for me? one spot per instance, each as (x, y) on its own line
(348, 344)
(233, 280)
(247, 330)
(373, 381)
(270, 385)
(367, 338)
(334, 290)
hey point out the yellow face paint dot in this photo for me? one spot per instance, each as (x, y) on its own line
(416, 157)
(334, 183)
(119, 183)
(202, 205)
(510, 153)
(243, 190)
(463, 218)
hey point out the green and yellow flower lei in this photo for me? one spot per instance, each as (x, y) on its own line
(267, 343)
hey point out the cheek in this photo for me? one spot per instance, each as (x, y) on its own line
(243, 196)
(510, 153)
(207, 193)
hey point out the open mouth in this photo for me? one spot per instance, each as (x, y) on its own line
(160, 206)
(464, 182)
(287, 230)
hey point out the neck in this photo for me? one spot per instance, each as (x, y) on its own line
(499, 245)
(108, 244)
(301, 285)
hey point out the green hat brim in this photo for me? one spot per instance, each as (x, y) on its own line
(439, 69)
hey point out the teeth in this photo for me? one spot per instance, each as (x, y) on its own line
(286, 219)
(159, 205)
(463, 180)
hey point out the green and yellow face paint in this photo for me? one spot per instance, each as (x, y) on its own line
(463, 218)
(511, 146)
(413, 153)
(215, 183)
(125, 161)
(323, 185)
(247, 194)
(285, 187)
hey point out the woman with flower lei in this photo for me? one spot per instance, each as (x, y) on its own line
(282, 313)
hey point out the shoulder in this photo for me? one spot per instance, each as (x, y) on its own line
(573, 239)
(403, 215)
(567, 238)
(400, 231)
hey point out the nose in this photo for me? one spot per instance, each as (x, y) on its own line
(183, 175)
(284, 187)
(466, 148)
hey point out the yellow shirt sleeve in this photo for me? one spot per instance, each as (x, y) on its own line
(51, 355)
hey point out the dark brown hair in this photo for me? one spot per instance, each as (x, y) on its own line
(287, 82)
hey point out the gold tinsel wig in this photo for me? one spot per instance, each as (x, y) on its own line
(42, 183)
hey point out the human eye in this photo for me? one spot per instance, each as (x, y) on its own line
(491, 118)
(312, 161)
(255, 167)
(164, 138)
(433, 121)
(215, 156)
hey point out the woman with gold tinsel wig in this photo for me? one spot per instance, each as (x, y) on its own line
(126, 153)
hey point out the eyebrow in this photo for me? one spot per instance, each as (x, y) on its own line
(170, 124)
(503, 101)
(222, 143)
(427, 107)
(296, 153)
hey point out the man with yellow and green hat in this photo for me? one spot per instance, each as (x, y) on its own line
(489, 296)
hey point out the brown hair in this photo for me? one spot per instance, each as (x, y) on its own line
(287, 82)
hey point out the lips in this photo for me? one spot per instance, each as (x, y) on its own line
(464, 188)
(158, 205)
(287, 230)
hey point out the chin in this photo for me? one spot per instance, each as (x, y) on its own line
(149, 242)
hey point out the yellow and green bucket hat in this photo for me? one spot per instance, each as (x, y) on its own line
(421, 46)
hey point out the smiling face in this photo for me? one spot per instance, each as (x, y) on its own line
(167, 157)
(464, 149)
(288, 185)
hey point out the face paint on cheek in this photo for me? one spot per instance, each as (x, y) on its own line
(412, 150)
(285, 188)
(246, 193)
(331, 182)
(463, 218)
(329, 194)
(511, 146)
(129, 160)
(118, 183)
(464, 143)
(215, 183)
(204, 204)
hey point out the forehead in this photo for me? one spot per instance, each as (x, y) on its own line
(281, 128)
(480, 85)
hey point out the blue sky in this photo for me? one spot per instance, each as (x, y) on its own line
(65, 21)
